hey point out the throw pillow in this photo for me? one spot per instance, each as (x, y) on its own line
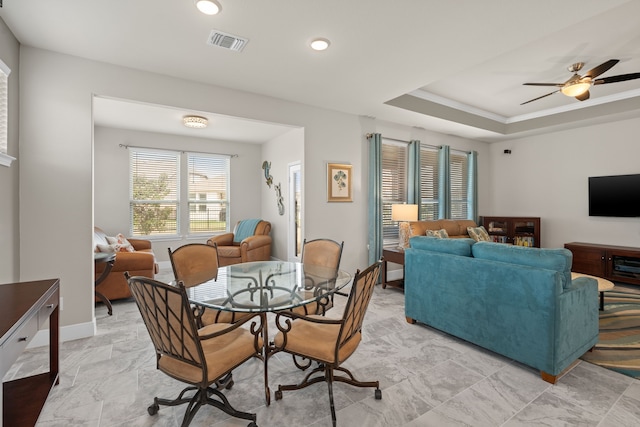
(120, 243)
(106, 248)
(439, 234)
(479, 234)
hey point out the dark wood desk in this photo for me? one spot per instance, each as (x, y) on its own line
(396, 256)
(24, 308)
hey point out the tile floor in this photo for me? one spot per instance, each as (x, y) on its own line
(427, 379)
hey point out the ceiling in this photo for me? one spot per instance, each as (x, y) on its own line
(452, 67)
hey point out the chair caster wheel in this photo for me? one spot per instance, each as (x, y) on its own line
(252, 424)
(228, 387)
(153, 409)
(278, 395)
(378, 394)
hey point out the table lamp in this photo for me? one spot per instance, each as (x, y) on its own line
(404, 213)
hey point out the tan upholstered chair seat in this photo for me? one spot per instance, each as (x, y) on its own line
(318, 341)
(221, 354)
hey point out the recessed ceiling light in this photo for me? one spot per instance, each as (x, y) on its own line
(208, 7)
(195, 122)
(320, 44)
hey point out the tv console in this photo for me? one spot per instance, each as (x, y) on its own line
(615, 263)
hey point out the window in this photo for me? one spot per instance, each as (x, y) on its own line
(208, 187)
(428, 183)
(154, 183)
(458, 172)
(162, 180)
(394, 186)
(4, 110)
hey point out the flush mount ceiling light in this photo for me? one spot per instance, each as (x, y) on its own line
(208, 7)
(195, 122)
(320, 44)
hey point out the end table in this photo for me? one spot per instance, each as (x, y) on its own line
(396, 256)
(109, 259)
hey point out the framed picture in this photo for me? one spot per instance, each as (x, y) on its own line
(339, 182)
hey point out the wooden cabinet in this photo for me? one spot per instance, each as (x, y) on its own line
(24, 308)
(615, 263)
(521, 231)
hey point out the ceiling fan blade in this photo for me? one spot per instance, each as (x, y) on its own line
(540, 97)
(583, 96)
(605, 66)
(615, 79)
(544, 84)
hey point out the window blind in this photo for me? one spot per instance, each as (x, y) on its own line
(208, 190)
(428, 183)
(394, 186)
(4, 106)
(459, 177)
(154, 183)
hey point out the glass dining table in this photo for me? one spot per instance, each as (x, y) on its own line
(268, 286)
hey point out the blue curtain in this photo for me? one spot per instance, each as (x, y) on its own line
(375, 197)
(444, 183)
(472, 186)
(413, 175)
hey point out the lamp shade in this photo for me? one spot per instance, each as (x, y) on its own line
(403, 212)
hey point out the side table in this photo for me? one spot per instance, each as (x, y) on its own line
(396, 256)
(109, 259)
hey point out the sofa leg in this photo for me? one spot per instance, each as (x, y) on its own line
(410, 320)
(548, 377)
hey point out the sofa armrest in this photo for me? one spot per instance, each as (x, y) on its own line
(577, 326)
(253, 242)
(140, 244)
(225, 239)
(132, 261)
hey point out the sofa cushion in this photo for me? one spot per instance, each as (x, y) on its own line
(479, 234)
(460, 247)
(440, 234)
(551, 259)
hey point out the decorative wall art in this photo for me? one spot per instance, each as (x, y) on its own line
(266, 166)
(339, 182)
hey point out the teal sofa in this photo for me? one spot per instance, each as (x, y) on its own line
(516, 301)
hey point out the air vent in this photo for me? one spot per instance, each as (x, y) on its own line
(227, 41)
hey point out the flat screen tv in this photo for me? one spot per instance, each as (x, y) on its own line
(614, 196)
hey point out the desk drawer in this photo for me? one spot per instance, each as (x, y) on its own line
(47, 309)
(17, 342)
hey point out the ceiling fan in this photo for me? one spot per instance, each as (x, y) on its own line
(578, 86)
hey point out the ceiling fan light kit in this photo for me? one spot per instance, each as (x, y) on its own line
(578, 86)
(576, 89)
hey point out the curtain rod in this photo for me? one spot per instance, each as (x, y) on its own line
(369, 135)
(177, 151)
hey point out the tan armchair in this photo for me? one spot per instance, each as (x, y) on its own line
(256, 247)
(142, 262)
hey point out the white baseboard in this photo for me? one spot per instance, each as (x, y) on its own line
(67, 333)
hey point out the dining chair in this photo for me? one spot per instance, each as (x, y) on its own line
(198, 357)
(329, 342)
(322, 253)
(197, 263)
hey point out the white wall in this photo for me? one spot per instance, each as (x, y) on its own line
(546, 176)
(56, 134)
(111, 178)
(9, 176)
(280, 152)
